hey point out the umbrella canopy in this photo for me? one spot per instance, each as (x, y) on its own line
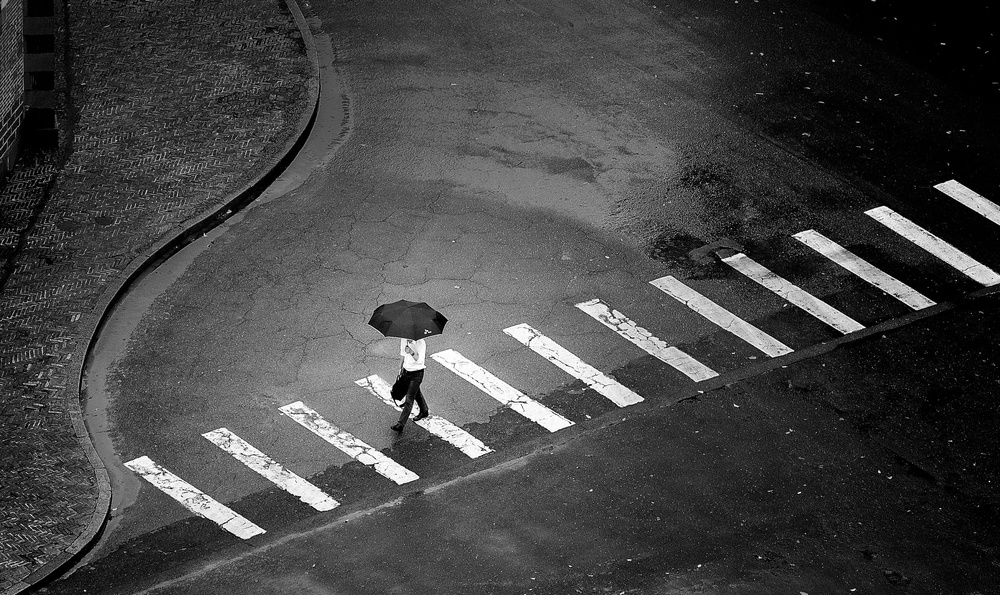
(407, 320)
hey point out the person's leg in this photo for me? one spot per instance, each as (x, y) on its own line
(418, 395)
(412, 393)
(422, 404)
(405, 414)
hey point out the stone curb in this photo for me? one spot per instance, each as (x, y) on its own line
(160, 251)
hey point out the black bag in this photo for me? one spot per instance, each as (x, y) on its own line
(398, 391)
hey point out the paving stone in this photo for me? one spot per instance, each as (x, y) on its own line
(176, 106)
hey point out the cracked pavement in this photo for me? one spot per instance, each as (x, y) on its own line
(492, 176)
(498, 199)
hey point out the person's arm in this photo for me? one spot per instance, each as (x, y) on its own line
(412, 353)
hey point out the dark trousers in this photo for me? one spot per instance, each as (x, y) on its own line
(410, 383)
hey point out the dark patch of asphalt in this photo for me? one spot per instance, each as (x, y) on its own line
(868, 469)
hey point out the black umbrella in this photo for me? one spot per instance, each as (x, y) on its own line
(408, 320)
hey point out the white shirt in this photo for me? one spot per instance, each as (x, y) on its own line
(413, 354)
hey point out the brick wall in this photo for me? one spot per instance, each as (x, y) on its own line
(40, 128)
(11, 80)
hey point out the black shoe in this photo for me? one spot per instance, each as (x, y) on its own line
(397, 428)
(420, 416)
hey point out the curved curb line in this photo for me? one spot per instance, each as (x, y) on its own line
(161, 250)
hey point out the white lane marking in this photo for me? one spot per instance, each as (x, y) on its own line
(574, 366)
(439, 426)
(501, 391)
(974, 201)
(819, 309)
(272, 470)
(351, 445)
(193, 499)
(642, 338)
(721, 317)
(863, 269)
(936, 246)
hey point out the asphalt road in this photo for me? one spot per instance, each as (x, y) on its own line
(864, 469)
(507, 161)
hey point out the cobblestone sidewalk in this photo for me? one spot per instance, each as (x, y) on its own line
(178, 106)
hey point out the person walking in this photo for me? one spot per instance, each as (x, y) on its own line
(411, 322)
(407, 385)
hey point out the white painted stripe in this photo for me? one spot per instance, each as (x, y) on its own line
(721, 317)
(501, 391)
(243, 452)
(863, 269)
(941, 249)
(439, 426)
(642, 338)
(967, 197)
(193, 499)
(819, 309)
(351, 445)
(555, 353)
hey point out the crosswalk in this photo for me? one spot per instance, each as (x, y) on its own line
(721, 317)
(438, 426)
(974, 201)
(194, 499)
(793, 294)
(272, 470)
(863, 269)
(574, 366)
(548, 349)
(349, 444)
(501, 391)
(936, 246)
(640, 337)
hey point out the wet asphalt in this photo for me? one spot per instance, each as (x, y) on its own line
(864, 469)
(498, 169)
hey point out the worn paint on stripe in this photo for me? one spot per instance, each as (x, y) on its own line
(439, 426)
(863, 269)
(642, 338)
(193, 499)
(272, 470)
(562, 358)
(978, 203)
(936, 246)
(501, 391)
(721, 317)
(819, 309)
(351, 445)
